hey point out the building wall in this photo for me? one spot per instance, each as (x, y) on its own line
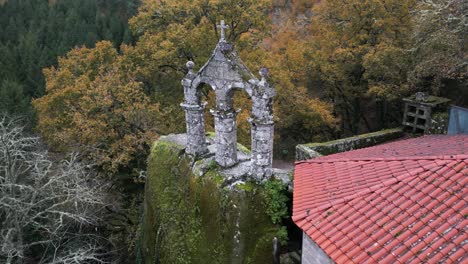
(313, 254)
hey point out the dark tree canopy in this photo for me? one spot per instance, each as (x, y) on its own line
(35, 32)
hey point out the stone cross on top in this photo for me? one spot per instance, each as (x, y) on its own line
(224, 72)
(223, 28)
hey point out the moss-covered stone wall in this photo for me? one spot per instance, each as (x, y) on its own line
(197, 219)
(314, 150)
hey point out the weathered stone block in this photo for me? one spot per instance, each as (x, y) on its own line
(314, 150)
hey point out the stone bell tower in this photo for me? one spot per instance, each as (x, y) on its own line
(224, 72)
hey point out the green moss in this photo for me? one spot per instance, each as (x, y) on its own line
(210, 134)
(214, 176)
(380, 133)
(247, 186)
(189, 219)
(312, 150)
(433, 100)
(213, 165)
(242, 148)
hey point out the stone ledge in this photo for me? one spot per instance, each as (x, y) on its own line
(315, 150)
(205, 163)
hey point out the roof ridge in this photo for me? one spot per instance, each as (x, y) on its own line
(407, 176)
(432, 157)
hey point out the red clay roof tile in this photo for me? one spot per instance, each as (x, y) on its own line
(405, 201)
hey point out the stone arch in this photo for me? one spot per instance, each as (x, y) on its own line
(225, 72)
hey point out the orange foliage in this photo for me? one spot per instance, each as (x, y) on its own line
(91, 105)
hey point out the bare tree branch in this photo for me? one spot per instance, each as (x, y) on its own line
(45, 206)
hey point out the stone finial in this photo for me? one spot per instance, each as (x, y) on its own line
(263, 73)
(190, 65)
(223, 28)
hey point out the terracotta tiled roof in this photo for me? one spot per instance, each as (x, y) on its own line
(401, 202)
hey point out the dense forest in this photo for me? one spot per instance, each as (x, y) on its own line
(35, 33)
(102, 78)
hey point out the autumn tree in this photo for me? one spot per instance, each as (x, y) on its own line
(358, 50)
(82, 106)
(172, 32)
(302, 115)
(95, 106)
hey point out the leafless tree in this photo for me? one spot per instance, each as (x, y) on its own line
(49, 212)
(439, 49)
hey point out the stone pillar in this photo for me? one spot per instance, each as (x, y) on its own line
(194, 115)
(262, 149)
(225, 137)
(195, 123)
(262, 128)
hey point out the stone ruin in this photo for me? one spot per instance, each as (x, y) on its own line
(224, 72)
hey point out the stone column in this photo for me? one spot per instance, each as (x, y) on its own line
(262, 149)
(225, 137)
(262, 128)
(194, 115)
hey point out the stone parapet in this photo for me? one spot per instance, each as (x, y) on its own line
(314, 150)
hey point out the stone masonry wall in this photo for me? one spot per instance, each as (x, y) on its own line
(314, 150)
(313, 254)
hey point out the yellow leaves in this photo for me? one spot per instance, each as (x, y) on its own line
(300, 117)
(243, 102)
(358, 44)
(388, 91)
(95, 101)
(365, 22)
(99, 109)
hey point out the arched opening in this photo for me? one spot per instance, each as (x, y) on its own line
(240, 100)
(208, 95)
(225, 74)
(243, 102)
